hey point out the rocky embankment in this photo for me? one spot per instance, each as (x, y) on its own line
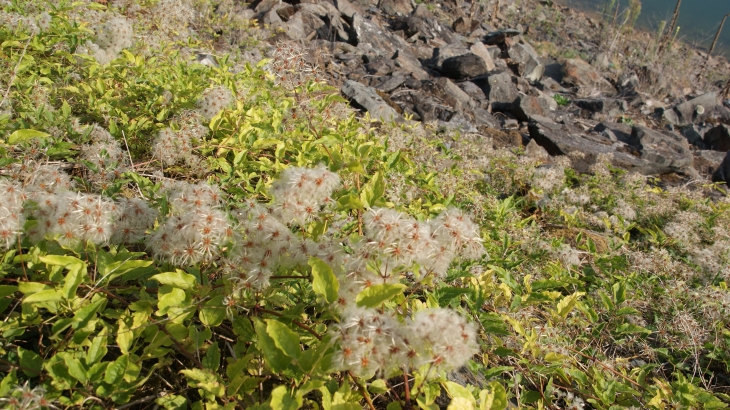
(433, 63)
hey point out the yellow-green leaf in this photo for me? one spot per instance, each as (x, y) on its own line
(375, 295)
(24, 135)
(324, 282)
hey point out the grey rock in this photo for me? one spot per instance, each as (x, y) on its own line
(578, 73)
(528, 106)
(396, 6)
(718, 138)
(431, 110)
(302, 24)
(696, 109)
(373, 39)
(610, 107)
(367, 98)
(495, 38)
(347, 9)
(722, 173)
(529, 65)
(464, 66)
(474, 91)
(411, 64)
(480, 50)
(380, 66)
(502, 93)
(441, 54)
(535, 151)
(462, 25)
(391, 83)
(454, 95)
(666, 152)
(707, 161)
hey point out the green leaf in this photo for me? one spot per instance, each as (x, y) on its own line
(274, 356)
(284, 338)
(324, 282)
(205, 380)
(76, 272)
(116, 370)
(24, 135)
(282, 400)
(628, 328)
(43, 296)
(75, 368)
(568, 303)
(170, 297)
(619, 292)
(212, 358)
(456, 390)
(125, 336)
(98, 349)
(493, 399)
(7, 290)
(350, 201)
(375, 295)
(213, 311)
(373, 190)
(177, 279)
(31, 362)
(172, 402)
(86, 313)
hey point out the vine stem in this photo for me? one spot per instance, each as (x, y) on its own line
(296, 322)
(408, 404)
(362, 389)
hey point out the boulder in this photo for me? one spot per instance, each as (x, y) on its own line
(368, 98)
(390, 83)
(529, 66)
(607, 106)
(534, 151)
(411, 65)
(707, 162)
(722, 173)
(528, 106)
(431, 110)
(374, 40)
(396, 6)
(578, 73)
(502, 93)
(462, 25)
(665, 152)
(464, 66)
(694, 136)
(696, 109)
(474, 91)
(454, 95)
(480, 50)
(347, 9)
(718, 138)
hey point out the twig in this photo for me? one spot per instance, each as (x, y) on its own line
(177, 344)
(138, 401)
(408, 405)
(364, 392)
(15, 73)
(296, 322)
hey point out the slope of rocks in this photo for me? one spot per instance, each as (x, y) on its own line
(405, 62)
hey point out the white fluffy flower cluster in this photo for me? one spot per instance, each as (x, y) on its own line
(105, 155)
(12, 218)
(111, 38)
(197, 228)
(213, 101)
(371, 341)
(267, 242)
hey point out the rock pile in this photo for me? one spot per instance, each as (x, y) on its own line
(398, 61)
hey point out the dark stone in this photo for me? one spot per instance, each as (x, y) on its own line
(722, 173)
(464, 66)
(396, 6)
(666, 152)
(528, 106)
(693, 135)
(367, 98)
(380, 66)
(610, 107)
(462, 25)
(718, 138)
(391, 83)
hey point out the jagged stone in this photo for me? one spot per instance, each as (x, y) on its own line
(373, 39)
(664, 151)
(693, 135)
(502, 93)
(454, 95)
(718, 138)
(528, 106)
(696, 109)
(367, 98)
(396, 6)
(390, 83)
(722, 173)
(578, 73)
(462, 25)
(480, 50)
(607, 106)
(535, 151)
(529, 65)
(464, 66)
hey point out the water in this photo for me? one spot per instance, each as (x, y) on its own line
(698, 19)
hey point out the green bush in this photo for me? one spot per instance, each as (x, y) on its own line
(188, 236)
